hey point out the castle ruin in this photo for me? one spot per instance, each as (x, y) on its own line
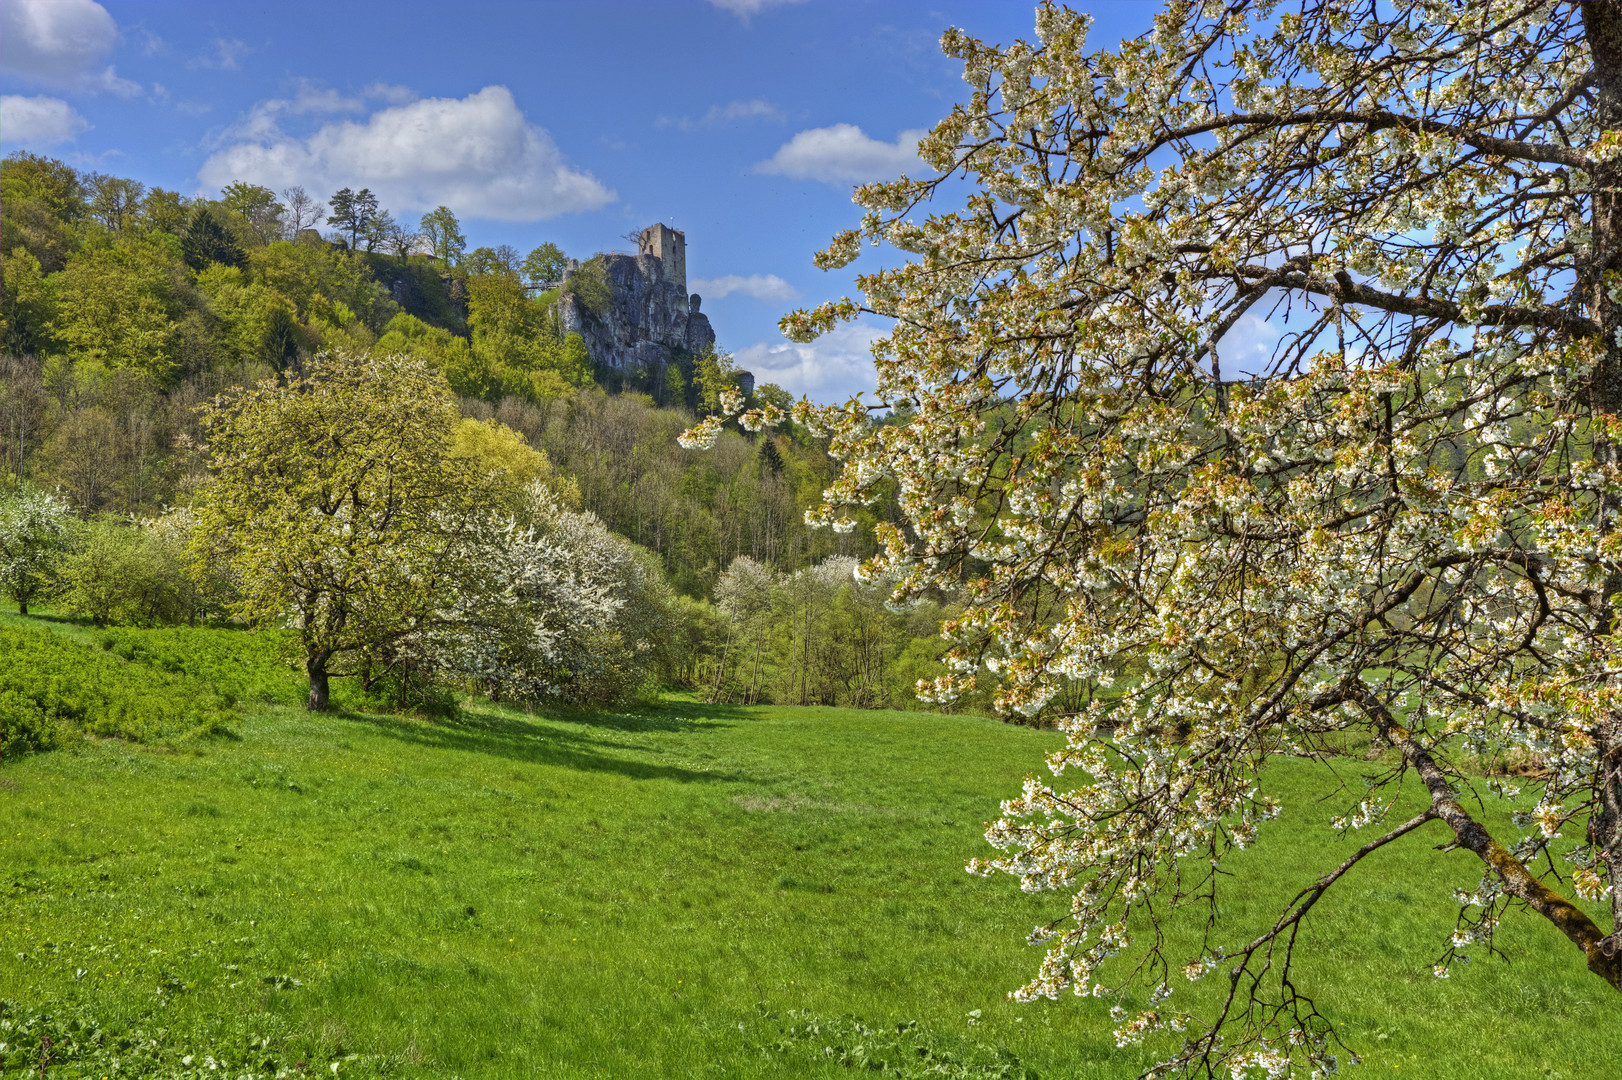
(649, 314)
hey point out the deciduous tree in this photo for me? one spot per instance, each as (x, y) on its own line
(33, 532)
(342, 508)
(1279, 353)
(443, 233)
(257, 209)
(545, 263)
(304, 211)
(114, 200)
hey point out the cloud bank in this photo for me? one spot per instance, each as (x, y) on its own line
(61, 43)
(832, 368)
(478, 155)
(843, 153)
(767, 287)
(38, 121)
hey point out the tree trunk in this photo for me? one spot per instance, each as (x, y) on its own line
(22, 607)
(316, 667)
(1602, 25)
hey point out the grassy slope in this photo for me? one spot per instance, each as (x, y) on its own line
(611, 895)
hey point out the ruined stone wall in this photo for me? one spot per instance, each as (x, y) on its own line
(650, 313)
(669, 246)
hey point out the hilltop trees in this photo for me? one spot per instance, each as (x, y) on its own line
(1387, 516)
(443, 234)
(352, 212)
(545, 263)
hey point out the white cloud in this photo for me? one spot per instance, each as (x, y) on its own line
(1248, 345)
(733, 112)
(38, 121)
(61, 43)
(843, 153)
(478, 155)
(224, 54)
(833, 367)
(745, 8)
(308, 97)
(768, 287)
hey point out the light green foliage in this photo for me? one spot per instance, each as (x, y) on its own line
(638, 882)
(714, 372)
(43, 204)
(26, 305)
(256, 212)
(516, 347)
(545, 263)
(118, 572)
(509, 464)
(320, 282)
(33, 534)
(697, 510)
(163, 211)
(443, 233)
(818, 636)
(114, 200)
(257, 321)
(115, 307)
(369, 526)
(49, 684)
(574, 361)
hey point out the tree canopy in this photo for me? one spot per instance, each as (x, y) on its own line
(1269, 379)
(370, 521)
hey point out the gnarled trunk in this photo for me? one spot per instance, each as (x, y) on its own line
(316, 667)
(1602, 25)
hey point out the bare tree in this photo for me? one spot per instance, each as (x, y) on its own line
(304, 211)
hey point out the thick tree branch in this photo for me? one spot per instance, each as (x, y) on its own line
(1381, 120)
(1518, 881)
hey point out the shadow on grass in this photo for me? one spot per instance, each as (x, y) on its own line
(509, 737)
(667, 716)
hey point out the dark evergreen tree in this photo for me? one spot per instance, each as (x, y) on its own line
(353, 212)
(206, 241)
(769, 456)
(280, 345)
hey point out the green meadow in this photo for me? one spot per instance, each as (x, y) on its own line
(686, 890)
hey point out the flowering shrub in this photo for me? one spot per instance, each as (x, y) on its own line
(33, 534)
(1279, 353)
(565, 610)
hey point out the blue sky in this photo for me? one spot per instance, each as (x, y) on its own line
(742, 122)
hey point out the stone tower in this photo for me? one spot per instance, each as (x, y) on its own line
(670, 247)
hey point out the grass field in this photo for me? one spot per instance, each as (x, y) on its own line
(651, 894)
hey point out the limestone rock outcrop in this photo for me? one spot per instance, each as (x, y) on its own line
(649, 312)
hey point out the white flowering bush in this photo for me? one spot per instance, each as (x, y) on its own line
(33, 536)
(1274, 357)
(565, 610)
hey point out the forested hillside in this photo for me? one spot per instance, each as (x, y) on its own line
(126, 309)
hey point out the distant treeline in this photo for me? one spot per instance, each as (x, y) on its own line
(124, 308)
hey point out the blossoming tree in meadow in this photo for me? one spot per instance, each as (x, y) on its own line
(33, 533)
(1266, 371)
(339, 506)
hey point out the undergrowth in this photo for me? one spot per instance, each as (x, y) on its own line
(50, 686)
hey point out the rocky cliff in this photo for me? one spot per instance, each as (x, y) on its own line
(648, 312)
